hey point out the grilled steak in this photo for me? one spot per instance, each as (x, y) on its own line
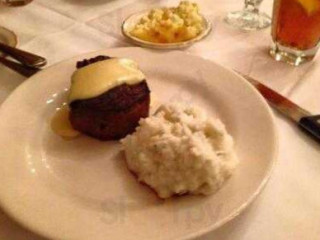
(113, 114)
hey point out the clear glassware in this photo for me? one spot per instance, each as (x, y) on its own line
(295, 30)
(14, 3)
(249, 18)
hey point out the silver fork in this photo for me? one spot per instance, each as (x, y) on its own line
(19, 68)
(26, 58)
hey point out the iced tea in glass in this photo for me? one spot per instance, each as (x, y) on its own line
(295, 30)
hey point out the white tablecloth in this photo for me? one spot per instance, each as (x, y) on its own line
(289, 207)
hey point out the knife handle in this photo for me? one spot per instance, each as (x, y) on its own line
(311, 125)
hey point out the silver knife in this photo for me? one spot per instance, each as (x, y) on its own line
(19, 68)
(26, 58)
(305, 120)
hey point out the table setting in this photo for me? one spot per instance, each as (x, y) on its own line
(159, 119)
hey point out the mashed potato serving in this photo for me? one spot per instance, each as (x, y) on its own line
(180, 150)
(170, 25)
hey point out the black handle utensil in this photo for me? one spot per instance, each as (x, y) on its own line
(311, 125)
(308, 122)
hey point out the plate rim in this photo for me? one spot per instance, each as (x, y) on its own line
(274, 157)
(163, 46)
(14, 42)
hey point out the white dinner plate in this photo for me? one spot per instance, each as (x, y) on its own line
(129, 23)
(82, 190)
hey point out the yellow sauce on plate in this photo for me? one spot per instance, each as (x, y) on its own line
(96, 79)
(61, 125)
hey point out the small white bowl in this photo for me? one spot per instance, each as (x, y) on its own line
(129, 23)
(8, 37)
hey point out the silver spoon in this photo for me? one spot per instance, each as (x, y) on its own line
(26, 58)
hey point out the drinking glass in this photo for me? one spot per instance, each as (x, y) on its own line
(295, 30)
(14, 3)
(249, 18)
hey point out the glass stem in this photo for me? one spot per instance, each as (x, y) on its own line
(252, 6)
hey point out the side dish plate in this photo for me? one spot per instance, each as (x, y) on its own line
(132, 20)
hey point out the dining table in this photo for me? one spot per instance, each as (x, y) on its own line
(289, 205)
